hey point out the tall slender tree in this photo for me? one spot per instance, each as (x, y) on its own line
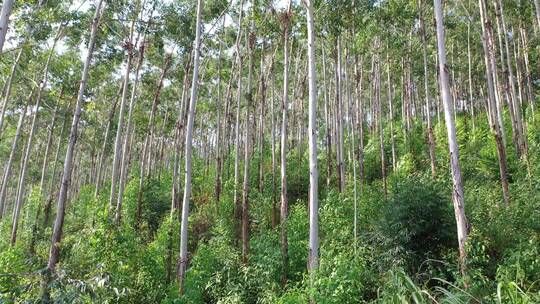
(7, 7)
(68, 162)
(457, 193)
(313, 257)
(188, 154)
(285, 20)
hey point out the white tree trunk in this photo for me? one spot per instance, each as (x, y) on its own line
(313, 259)
(50, 131)
(491, 76)
(125, 152)
(105, 140)
(66, 177)
(28, 151)
(7, 94)
(7, 6)
(247, 149)
(283, 157)
(340, 135)
(189, 140)
(431, 138)
(7, 168)
(47, 209)
(458, 196)
(118, 139)
(237, 123)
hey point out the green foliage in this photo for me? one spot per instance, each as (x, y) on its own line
(417, 221)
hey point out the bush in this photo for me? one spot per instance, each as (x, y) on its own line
(417, 221)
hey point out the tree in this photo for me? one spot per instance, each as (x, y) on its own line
(247, 148)
(188, 154)
(118, 139)
(7, 6)
(457, 193)
(493, 98)
(7, 168)
(285, 21)
(26, 159)
(313, 259)
(66, 177)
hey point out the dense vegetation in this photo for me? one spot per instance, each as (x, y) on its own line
(386, 198)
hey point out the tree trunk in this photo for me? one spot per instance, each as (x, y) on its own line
(487, 43)
(66, 178)
(379, 116)
(469, 60)
(188, 154)
(431, 138)
(50, 132)
(7, 93)
(28, 151)
(47, 209)
(328, 122)
(458, 196)
(262, 107)
(341, 165)
(247, 145)
(7, 6)
(118, 140)
(528, 76)
(217, 190)
(124, 163)
(237, 202)
(313, 257)
(283, 157)
(7, 168)
(359, 72)
(537, 9)
(177, 150)
(105, 140)
(273, 129)
(516, 105)
(391, 115)
(44, 168)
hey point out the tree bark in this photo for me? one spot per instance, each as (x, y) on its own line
(47, 209)
(516, 105)
(313, 257)
(28, 151)
(247, 146)
(489, 57)
(359, 72)
(50, 131)
(105, 140)
(273, 130)
(262, 107)
(537, 9)
(7, 168)
(188, 154)
(7, 7)
(66, 178)
(7, 93)
(237, 202)
(391, 115)
(458, 195)
(328, 122)
(469, 60)
(431, 138)
(119, 129)
(124, 163)
(341, 164)
(217, 189)
(284, 210)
